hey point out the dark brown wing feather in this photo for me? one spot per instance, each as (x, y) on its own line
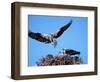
(61, 30)
(71, 52)
(38, 36)
(46, 39)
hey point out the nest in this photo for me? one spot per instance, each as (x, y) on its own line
(59, 59)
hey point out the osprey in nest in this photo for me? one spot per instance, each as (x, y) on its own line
(49, 38)
(70, 52)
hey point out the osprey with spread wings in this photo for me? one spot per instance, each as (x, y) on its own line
(49, 38)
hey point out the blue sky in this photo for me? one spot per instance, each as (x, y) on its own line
(73, 38)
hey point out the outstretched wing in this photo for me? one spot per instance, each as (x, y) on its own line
(38, 37)
(61, 30)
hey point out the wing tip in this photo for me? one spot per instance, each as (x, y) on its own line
(71, 21)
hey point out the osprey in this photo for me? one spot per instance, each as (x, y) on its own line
(49, 38)
(70, 52)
